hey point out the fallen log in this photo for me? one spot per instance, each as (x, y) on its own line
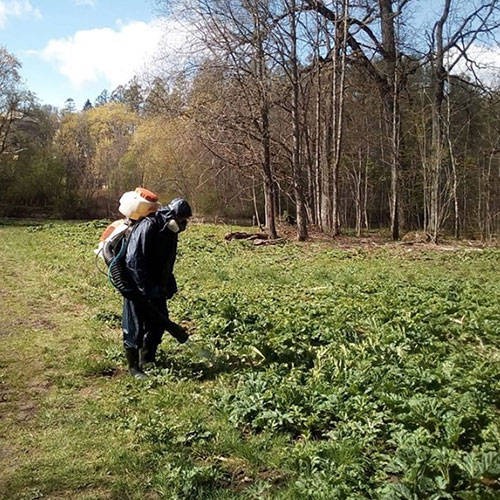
(239, 235)
(260, 242)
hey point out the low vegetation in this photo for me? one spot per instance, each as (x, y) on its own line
(313, 373)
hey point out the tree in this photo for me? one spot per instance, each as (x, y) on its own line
(103, 98)
(132, 95)
(93, 145)
(385, 75)
(452, 36)
(293, 58)
(69, 106)
(87, 105)
(236, 34)
(167, 96)
(36, 173)
(15, 102)
(118, 94)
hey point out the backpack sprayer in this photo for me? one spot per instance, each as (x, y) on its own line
(134, 205)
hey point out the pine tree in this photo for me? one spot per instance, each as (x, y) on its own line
(87, 105)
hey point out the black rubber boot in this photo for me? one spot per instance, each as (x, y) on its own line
(132, 356)
(147, 355)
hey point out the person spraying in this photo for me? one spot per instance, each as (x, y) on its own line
(141, 266)
(149, 261)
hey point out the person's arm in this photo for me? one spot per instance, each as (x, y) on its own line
(171, 286)
(169, 282)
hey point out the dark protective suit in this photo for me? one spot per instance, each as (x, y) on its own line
(149, 262)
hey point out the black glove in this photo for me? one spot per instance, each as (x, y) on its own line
(177, 332)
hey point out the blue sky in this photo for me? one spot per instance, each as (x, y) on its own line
(76, 48)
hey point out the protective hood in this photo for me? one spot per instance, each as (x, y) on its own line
(177, 209)
(181, 208)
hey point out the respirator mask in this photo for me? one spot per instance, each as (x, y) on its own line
(180, 211)
(177, 226)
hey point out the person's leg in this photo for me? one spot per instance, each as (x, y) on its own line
(173, 328)
(133, 333)
(153, 334)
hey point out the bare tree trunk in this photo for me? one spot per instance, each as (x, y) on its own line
(311, 178)
(317, 165)
(439, 75)
(421, 133)
(358, 179)
(338, 110)
(326, 158)
(465, 206)
(395, 139)
(453, 163)
(267, 171)
(296, 160)
(334, 126)
(480, 202)
(268, 194)
(390, 99)
(265, 129)
(435, 167)
(365, 197)
(456, 221)
(487, 196)
(255, 207)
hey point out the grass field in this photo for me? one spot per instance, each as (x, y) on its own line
(313, 373)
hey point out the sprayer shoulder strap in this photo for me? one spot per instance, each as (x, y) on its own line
(126, 234)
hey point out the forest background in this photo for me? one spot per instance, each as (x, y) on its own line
(335, 115)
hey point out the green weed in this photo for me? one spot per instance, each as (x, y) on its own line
(312, 373)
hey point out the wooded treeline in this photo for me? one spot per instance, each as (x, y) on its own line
(335, 115)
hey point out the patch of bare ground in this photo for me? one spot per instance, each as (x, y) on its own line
(6, 453)
(26, 411)
(38, 386)
(9, 327)
(241, 476)
(22, 405)
(90, 392)
(376, 240)
(4, 392)
(84, 492)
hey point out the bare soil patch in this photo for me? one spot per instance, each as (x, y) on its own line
(377, 239)
(10, 327)
(242, 477)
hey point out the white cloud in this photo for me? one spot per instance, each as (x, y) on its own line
(484, 61)
(17, 9)
(109, 54)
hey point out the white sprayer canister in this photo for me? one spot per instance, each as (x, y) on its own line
(134, 206)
